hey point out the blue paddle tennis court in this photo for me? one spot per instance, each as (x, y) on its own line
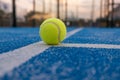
(85, 54)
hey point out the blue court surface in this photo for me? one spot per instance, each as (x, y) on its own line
(85, 54)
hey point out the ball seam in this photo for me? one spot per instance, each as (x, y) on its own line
(57, 28)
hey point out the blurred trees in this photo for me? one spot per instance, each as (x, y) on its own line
(1, 13)
(5, 18)
(1, 17)
(36, 18)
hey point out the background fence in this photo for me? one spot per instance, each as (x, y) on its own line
(99, 13)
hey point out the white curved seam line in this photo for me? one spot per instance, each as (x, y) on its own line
(57, 28)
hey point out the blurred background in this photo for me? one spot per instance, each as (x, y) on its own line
(87, 13)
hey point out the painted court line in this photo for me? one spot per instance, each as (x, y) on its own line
(11, 60)
(106, 46)
(73, 32)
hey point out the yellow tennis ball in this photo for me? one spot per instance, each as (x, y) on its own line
(52, 31)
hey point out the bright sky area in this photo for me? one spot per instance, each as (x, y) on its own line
(83, 7)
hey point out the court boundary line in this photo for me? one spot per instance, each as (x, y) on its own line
(19, 56)
(86, 45)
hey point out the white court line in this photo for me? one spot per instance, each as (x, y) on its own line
(73, 32)
(106, 46)
(13, 59)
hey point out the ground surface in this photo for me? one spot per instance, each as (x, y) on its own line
(60, 62)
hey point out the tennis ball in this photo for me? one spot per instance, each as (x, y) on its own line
(52, 31)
